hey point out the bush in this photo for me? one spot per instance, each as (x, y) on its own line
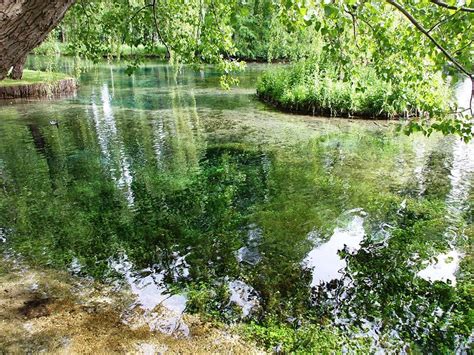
(311, 88)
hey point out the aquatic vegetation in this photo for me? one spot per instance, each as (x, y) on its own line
(232, 218)
(317, 89)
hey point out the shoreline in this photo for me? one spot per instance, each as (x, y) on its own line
(38, 84)
(54, 311)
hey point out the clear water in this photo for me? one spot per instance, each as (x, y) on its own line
(172, 185)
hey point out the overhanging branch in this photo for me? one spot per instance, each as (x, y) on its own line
(168, 53)
(431, 38)
(451, 7)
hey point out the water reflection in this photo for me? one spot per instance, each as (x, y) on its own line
(159, 141)
(243, 296)
(325, 260)
(240, 205)
(249, 253)
(461, 178)
(111, 144)
(151, 291)
(421, 154)
(445, 265)
(443, 268)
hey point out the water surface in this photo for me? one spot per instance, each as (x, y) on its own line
(166, 182)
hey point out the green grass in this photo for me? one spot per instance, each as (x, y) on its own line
(35, 77)
(127, 51)
(316, 89)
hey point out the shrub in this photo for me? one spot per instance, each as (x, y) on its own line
(313, 88)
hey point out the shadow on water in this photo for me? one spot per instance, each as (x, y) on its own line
(179, 189)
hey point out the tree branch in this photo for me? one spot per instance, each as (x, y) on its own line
(451, 7)
(457, 51)
(168, 53)
(443, 20)
(431, 38)
(354, 27)
(132, 18)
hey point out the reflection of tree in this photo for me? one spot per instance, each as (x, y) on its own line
(200, 212)
(64, 197)
(25, 168)
(184, 134)
(309, 190)
(436, 173)
(380, 288)
(60, 203)
(461, 182)
(49, 143)
(111, 145)
(184, 204)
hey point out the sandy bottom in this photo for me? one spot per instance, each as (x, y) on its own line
(48, 311)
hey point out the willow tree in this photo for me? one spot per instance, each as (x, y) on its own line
(192, 31)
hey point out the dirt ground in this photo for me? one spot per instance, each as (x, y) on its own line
(52, 312)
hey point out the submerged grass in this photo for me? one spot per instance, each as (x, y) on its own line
(309, 338)
(306, 87)
(41, 310)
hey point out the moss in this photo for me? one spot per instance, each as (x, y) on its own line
(35, 77)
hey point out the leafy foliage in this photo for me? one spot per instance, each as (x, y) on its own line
(314, 88)
(407, 47)
(193, 32)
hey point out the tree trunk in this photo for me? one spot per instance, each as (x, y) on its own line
(471, 101)
(63, 35)
(17, 71)
(24, 25)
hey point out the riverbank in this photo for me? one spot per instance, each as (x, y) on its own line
(51, 311)
(35, 84)
(56, 48)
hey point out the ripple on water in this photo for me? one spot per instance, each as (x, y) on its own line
(249, 254)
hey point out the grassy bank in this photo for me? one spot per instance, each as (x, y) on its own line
(308, 88)
(35, 77)
(37, 84)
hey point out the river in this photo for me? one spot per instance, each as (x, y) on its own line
(167, 185)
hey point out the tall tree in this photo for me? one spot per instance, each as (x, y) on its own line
(24, 25)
